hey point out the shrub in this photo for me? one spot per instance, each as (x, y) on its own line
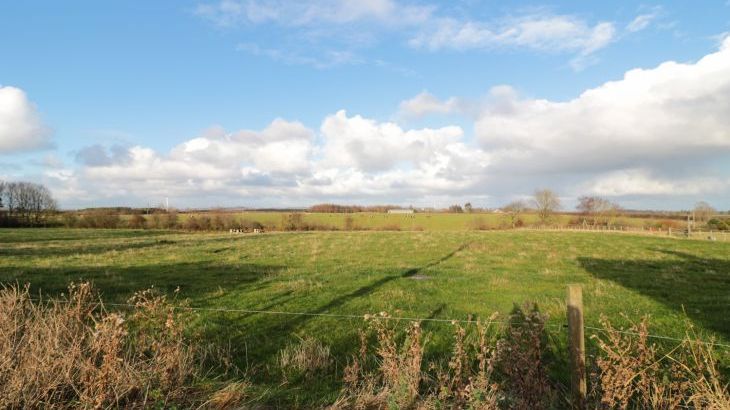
(100, 219)
(69, 219)
(137, 221)
(718, 225)
(170, 220)
(191, 223)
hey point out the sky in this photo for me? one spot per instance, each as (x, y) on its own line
(427, 103)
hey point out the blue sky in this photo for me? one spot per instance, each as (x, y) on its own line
(280, 103)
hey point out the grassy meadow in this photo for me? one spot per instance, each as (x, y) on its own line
(430, 274)
(423, 221)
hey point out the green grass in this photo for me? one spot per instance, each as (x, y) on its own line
(415, 274)
(417, 221)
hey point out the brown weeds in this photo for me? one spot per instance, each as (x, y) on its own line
(73, 353)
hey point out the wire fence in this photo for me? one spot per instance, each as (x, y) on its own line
(378, 316)
(710, 235)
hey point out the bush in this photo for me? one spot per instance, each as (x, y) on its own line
(718, 225)
(100, 219)
(170, 220)
(69, 219)
(137, 221)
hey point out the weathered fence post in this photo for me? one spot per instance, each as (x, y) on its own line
(576, 346)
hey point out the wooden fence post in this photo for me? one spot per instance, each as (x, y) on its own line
(576, 346)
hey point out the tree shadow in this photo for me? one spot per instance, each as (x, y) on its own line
(45, 251)
(270, 334)
(195, 280)
(26, 235)
(698, 286)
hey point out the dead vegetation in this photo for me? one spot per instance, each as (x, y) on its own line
(509, 370)
(72, 352)
(632, 372)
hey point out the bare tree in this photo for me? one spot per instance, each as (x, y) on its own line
(704, 211)
(27, 203)
(598, 209)
(456, 209)
(2, 191)
(514, 211)
(546, 203)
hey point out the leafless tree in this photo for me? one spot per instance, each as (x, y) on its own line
(2, 191)
(600, 210)
(514, 210)
(703, 211)
(27, 203)
(546, 202)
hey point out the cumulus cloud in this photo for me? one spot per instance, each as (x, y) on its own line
(21, 128)
(674, 112)
(425, 104)
(657, 132)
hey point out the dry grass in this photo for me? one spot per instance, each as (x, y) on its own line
(397, 377)
(632, 373)
(73, 353)
(305, 358)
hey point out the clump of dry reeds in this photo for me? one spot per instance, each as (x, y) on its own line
(71, 352)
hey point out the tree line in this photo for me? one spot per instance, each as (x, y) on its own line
(25, 204)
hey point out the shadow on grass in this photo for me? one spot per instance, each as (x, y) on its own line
(25, 235)
(699, 286)
(46, 251)
(196, 280)
(264, 335)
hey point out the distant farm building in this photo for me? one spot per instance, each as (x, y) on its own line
(401, 211)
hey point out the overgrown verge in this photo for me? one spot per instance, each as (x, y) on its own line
(514, 368)
(72, 352)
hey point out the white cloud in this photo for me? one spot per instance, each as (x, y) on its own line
(366, 145)
(311, 12)
(324, 60)
(21, 128)
(641, 182)
(541, 32)
(642, 21)
(662, 131)
(426, 103)
(676, 111)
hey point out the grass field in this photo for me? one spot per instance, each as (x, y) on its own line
(412, 274)
(422, 221)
